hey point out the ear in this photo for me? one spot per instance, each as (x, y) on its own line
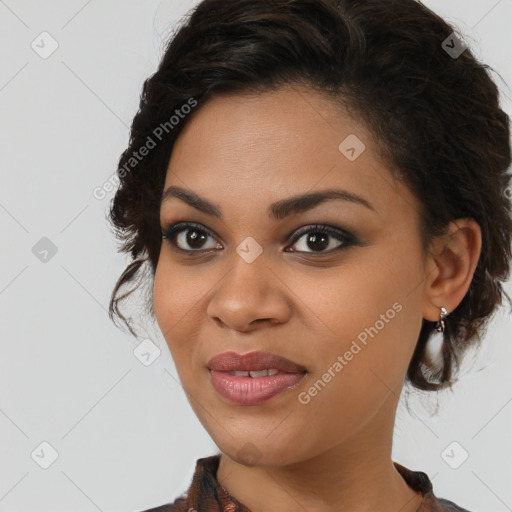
(451, 263)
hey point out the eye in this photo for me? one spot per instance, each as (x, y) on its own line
(322, 239)
(190, 237)
(316, 239)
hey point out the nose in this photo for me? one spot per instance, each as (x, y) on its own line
(248, 296)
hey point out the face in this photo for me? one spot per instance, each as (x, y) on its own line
(332, 283)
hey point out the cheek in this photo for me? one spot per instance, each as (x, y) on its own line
(174, 296)
(366, 314)
(344, 301)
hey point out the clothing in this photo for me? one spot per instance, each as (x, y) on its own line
(205, 493)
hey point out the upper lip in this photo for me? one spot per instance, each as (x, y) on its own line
(252, 361)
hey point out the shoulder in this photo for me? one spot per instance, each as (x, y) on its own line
(432, 503)
(201, 493)
(449, 506)
(179, 505)
(420, 482)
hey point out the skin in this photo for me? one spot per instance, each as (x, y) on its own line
(244, 152)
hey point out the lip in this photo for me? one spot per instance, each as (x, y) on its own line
(252, 361)
(247, 390)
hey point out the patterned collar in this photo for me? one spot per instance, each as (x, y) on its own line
(206, 494)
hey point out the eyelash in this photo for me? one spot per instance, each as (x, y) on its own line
(347, 239)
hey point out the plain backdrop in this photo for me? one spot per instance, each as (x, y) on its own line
(84, 424)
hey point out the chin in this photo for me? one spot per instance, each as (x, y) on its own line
(265, 453)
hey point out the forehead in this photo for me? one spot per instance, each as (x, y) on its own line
(247, 148)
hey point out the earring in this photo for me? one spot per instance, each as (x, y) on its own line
(440, 323)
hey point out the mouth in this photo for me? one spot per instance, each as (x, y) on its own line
(253, 378)
(253, 362)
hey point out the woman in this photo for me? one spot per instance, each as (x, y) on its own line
(318, 188)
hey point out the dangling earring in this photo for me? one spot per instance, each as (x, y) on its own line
(440, 323)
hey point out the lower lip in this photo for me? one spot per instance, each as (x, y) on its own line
(252, 391)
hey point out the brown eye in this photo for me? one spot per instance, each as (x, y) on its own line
(322, 239)
(191, 238)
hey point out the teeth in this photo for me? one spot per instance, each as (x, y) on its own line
(254, 374)
(260, 373)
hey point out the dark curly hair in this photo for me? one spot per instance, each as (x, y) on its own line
(436, 117)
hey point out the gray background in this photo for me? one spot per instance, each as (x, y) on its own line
(124, 433)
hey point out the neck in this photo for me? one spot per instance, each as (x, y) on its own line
(358, 473)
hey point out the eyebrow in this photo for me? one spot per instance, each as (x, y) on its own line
(278, 210)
